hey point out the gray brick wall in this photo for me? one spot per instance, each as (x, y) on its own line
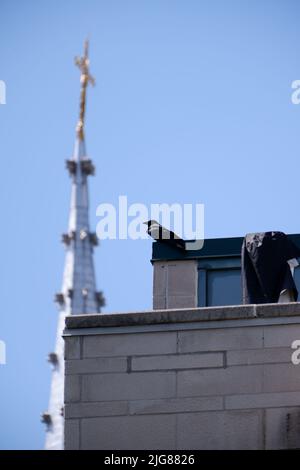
(226, 384)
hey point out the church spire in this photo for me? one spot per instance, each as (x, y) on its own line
(78, 294)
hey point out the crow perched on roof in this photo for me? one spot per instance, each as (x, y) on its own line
(158, 232)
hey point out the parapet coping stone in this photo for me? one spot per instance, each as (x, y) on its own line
(183, 315)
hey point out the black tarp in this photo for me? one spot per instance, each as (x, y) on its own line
(265, 271)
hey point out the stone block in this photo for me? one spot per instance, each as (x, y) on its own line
(92, 410)
(221, 339)
(72, 433)
(232, 380)
(106, 387)
(262, 400)
(281, 378)
(220, 431)
(258, 356)
(182, 278)
(72, 388)
(176, 405)
(72, 347)
(178, 361)
(96, 365)
(281, 336)
(129, 432)
(159, 302)
(159, 278)
(181, 301)
(129, 344)
(282, 428)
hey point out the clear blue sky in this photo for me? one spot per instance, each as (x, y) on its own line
(192, 104)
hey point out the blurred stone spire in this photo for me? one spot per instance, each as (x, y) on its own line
(78, 294)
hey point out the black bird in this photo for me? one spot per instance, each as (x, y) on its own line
(158, 232)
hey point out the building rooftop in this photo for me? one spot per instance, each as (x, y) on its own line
(185, 315)
(212, 248)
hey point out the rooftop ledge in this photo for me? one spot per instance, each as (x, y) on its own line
(188, 315)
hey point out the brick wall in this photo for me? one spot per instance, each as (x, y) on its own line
(208, 378)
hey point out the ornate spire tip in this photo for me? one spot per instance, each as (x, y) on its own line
(85, 78)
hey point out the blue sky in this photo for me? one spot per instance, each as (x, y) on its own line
(192, 104)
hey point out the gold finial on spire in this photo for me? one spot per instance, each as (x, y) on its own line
(85, 78)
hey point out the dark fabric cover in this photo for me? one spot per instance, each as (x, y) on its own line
(265, 271)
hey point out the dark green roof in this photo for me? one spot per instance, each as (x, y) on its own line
(212, 248)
